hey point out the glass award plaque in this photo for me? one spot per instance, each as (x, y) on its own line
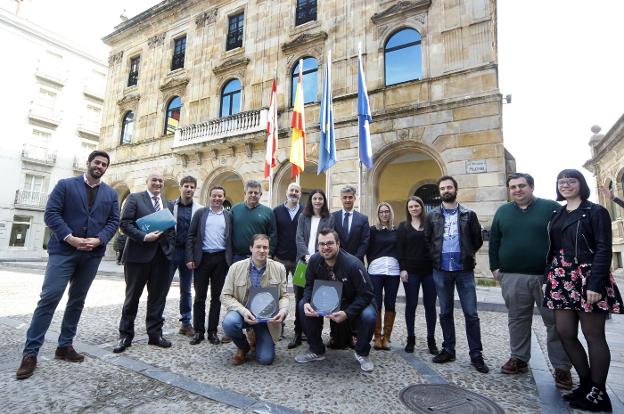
(263, 303)
(326, 296)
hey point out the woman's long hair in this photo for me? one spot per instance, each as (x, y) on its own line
(408, 216)
(378, 226)
(308, 210)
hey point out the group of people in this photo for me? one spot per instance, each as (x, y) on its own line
(252, 245)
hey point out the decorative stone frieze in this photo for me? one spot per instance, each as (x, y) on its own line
(116, 58)
(230, 65)
(207, 17)
(402, 10)
(156, 40)
(304, 41)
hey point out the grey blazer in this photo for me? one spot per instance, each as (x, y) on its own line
(196, 233)
(303, 233)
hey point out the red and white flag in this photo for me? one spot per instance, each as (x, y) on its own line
(271, 148)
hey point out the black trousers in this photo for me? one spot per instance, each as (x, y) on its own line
(211, 271)
(155, 275)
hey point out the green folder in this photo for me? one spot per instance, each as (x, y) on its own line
(299, 278)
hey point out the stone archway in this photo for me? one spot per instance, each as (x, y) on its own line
(123, 191)
(309, 181)
(231, 181)
(171, 189)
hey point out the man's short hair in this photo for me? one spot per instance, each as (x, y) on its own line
(293, 185)
(348, 189)
(259, 236)
(98, 153)
(253, 184)
(445, 178)
(188, 179)
(216, 187)
(328, 230)
(514, 176)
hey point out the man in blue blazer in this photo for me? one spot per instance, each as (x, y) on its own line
(83, 215)
(352, 226)
(146, 258)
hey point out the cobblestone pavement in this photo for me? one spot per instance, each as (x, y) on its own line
(200, 378)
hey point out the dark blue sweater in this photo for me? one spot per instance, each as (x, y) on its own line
(286, 233)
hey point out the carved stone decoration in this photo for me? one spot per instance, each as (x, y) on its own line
(213, 154)
(401, 9)
(207, 17)
(115, 59)
(303, 41)
(249, 149)
(129, 101)
(173, 83)
(184, 158)
(199, 157)
(156, 40)
(230, 64)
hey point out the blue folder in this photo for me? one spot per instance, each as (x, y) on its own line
(159, 221)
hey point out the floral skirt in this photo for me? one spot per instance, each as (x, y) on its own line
(566, 288)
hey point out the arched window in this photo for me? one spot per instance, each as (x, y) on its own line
(172, 117)
(310, 74)
(430, 195)
(403, 57)
(231, 98)
(127, 128)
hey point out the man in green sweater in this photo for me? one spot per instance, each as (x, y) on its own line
(518, 247)
(249, 218)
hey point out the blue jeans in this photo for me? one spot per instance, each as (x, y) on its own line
(389, 285)
(186, 282)
(77, 269)
(445, 283)
(233, 325)
(412, 287)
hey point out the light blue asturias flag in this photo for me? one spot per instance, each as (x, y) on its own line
(364, 118)
(327, 146)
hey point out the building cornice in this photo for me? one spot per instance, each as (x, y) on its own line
(402, 8)
(303, 40)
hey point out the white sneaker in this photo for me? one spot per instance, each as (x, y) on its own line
(365, 363)
(308, 357)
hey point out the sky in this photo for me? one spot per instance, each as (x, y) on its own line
(559, 59)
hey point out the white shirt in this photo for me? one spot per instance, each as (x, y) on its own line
(151, 196)
(314, 223)
(385, 265)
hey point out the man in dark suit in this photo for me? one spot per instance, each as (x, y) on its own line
(209, 253)
(83, 215)
(352, 226)
(146, 258)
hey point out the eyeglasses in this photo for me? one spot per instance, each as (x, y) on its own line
(567, 182)
(326, 244)
(384, 211)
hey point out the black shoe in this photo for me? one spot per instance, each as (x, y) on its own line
(122, 344)
(479, 364)
(296, 341)
(160, 342)
(197, 338)
(443, 357)
(596, 400)
(213, 338)
(409, 347)
(433, 348)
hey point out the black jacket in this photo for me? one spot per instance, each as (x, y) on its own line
(470, 239)
(587, 239)
(356, 243)
(357, 289)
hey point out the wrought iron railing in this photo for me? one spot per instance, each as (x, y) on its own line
(30, 199)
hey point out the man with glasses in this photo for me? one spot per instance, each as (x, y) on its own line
(517, 249)
(357, 307)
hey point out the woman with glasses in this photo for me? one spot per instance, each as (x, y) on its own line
(581, 288)
(315, 217)
(416, 271)
(383, 267)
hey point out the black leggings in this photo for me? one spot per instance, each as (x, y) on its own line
(593, 326)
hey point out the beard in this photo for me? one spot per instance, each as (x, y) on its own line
(95, 172)
(449, 197)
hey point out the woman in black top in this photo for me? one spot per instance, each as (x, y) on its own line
(416, 270)
(580, 287)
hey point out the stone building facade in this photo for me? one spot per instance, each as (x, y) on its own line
(607, 164)
(432, 77)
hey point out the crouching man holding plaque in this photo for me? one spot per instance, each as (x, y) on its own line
(338, 288)
(254, 294)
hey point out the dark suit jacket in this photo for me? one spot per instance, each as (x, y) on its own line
(136, 250)
(196, 234)
(357, 241)
(67, 212)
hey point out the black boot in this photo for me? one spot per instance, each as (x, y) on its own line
(409, 347)
(580, 392)
(596, 400)
(433, 348)
(296, 341)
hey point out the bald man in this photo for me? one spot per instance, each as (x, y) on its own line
(146, 258)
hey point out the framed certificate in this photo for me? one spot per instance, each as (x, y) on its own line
(263, 303)
(326, 296)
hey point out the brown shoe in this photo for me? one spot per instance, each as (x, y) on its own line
(240, 357)
(563, 379)
(27, 367)
(186, 330)
(68, 353)
(226, 339)
(514, 366)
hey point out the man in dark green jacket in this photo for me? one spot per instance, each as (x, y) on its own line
(518, 249)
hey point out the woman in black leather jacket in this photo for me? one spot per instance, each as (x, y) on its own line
(580, 287)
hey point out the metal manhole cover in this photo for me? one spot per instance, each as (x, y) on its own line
(439, 398)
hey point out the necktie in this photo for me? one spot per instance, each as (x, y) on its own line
(156, 203)
(345, 223)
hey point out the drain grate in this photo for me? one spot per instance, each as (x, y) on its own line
(442, 398)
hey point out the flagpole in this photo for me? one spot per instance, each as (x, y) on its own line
(358, 147)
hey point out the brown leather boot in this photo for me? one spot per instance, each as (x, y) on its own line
(240, 357)
(377, 342)
(251, 338)
(27, 367)
(387, 329)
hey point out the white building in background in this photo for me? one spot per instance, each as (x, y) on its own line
(50, 110)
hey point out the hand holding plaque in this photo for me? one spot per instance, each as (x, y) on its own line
(263, 303)
(326, 296)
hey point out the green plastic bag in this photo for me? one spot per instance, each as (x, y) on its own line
(299, 278)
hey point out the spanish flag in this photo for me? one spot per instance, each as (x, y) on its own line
(297, 140)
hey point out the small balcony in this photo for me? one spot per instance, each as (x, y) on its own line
(228, 126)
(38, 155)
(89, 127)
(45, 114)
(30, 200)
(80, 164)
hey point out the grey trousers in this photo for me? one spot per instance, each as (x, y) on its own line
(521, 292)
